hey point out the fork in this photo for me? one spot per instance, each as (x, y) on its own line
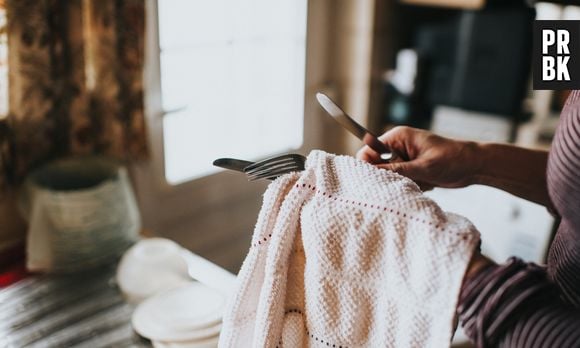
(273, 167)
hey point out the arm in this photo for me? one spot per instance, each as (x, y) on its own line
(515, 305)
(511, 305)
(432, 160)
(519, 171)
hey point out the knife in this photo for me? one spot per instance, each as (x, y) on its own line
(232, 164)
(352, 126)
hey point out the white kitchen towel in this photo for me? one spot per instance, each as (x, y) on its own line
(348, 255)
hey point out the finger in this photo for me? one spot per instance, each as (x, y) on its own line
(398, 140)
(424, 186)
(368, 155)
(410, 169)
(393, 139)
(396, 137)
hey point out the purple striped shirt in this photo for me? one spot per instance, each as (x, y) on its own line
(525, 305)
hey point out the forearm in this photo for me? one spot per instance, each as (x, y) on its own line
(519, 171)
(515, 305)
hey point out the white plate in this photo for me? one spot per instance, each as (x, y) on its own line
(207, 343)
(190, 312)
(187, 336)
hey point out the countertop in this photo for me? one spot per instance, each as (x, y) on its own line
(85, 310)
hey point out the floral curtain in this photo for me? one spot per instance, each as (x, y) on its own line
(75, 82)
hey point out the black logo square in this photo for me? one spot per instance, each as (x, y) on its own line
(556, 55)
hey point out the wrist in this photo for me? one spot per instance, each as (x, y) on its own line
(475, 155)
(477, 264)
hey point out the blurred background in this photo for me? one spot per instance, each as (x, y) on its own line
(167, 86)
(237, 79)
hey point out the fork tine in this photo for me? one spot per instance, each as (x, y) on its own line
(273, 165)
(276, 172)
(273, 159)
(273, 175)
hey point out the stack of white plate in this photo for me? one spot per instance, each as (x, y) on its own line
(189, 316)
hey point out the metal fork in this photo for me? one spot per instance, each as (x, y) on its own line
(274, 167)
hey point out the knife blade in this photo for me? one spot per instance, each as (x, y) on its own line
(352, 126)
(232, 164)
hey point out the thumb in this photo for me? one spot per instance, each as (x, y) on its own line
(410, 169)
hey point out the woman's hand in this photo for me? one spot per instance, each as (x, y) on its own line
(478, 262)
(428, 159)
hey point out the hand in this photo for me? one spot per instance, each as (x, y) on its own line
(426, 158)
(478, 262)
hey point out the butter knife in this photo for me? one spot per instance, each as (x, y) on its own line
(352, 126)
(232, 164)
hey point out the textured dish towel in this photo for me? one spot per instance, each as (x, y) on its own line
(348, 255)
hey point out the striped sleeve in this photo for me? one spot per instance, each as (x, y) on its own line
(516, 305)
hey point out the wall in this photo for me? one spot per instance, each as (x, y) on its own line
(351, 60)
(361, 50)
(12, 227)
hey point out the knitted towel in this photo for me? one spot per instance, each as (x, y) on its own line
(348, 255)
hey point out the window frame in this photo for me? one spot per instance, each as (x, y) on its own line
(5, 82)
(161, 202)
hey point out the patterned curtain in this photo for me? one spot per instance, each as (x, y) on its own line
(75, 82)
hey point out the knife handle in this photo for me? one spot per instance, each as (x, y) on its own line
(374, 143)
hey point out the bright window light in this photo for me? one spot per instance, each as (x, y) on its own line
(235, 71)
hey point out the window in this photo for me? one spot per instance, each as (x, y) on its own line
(231, 70)
(233, 78)
(3, 63)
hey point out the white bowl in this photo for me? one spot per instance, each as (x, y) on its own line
(151, 266)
